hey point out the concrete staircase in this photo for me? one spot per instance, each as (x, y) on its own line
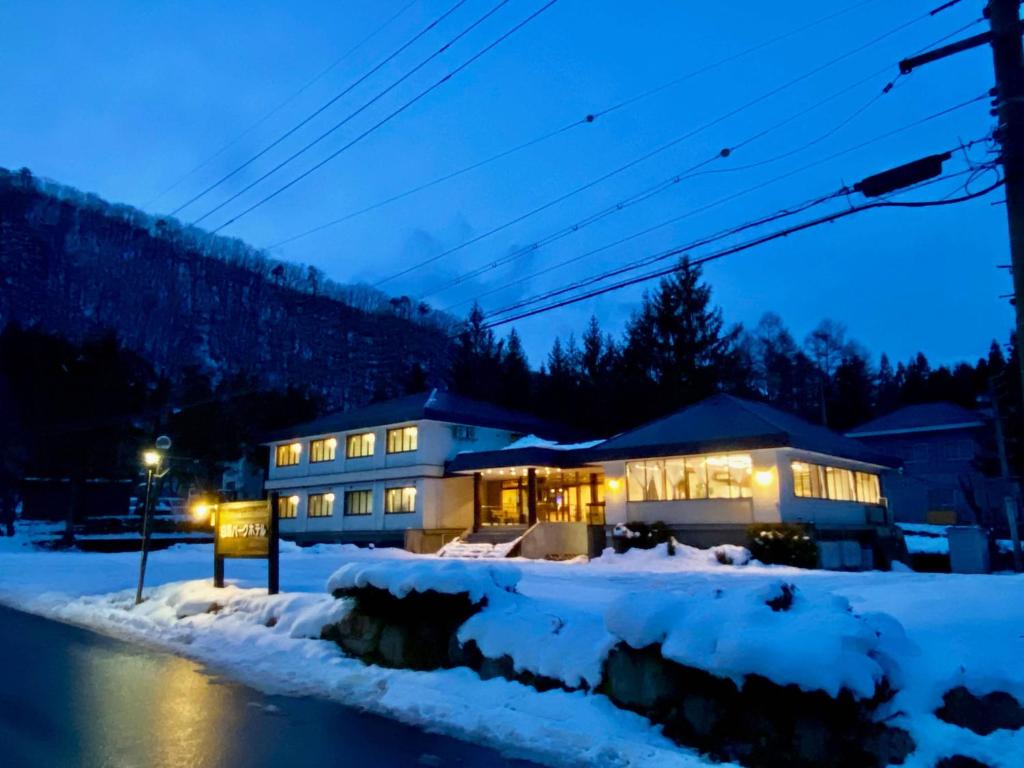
(486, 544)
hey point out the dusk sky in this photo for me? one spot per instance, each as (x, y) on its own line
(123, 98)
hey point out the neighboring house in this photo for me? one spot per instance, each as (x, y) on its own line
(708, 472)
(942, 447)
(241, 479)
(372, 474)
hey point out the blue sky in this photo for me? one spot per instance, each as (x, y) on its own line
(123, 98)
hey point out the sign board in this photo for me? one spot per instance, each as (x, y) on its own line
(247, 529)
(243, 529)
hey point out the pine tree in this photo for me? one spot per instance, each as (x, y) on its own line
(475, 359)
(515, 384)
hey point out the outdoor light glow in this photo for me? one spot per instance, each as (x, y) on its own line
(764, 477)
(614, 483)
(201, 511)
(150, 458)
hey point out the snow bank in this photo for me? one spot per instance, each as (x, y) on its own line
(816, 642)
(400, 577)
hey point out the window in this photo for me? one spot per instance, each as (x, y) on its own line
(288, 455)
(814, 481)
(359, 446)
(399, 500)
(402, 440)
(288, 507)
(692, 477)
(463, 432)
(358, 502)
(323, 449)
(320, 505)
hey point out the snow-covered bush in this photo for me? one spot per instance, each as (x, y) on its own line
(783, 544)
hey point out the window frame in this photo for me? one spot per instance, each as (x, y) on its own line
(405, 431)
(292, 449)
(324, 499)
(389, 493)
(360, 439)
(695, 475)
(824, 483)
(352, 493)
(326, 445)
(287, 507)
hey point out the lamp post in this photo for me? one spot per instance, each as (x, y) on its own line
(152, 459)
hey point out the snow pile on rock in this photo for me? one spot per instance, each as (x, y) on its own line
(400, 577)
(786, 634)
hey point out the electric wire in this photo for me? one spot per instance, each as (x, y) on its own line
(733, 196)
(319, 110)
(763, 239)
(274, 110)
(587, 119)
(387, 118)
(355, 113)
(662, 148)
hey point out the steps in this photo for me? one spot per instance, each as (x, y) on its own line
(485, 544)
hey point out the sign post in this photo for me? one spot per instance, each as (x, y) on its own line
(247, 530)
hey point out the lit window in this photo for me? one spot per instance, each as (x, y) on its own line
(288, 507)
(288, 455)
(360, 446)
(399, 500)
(358, 503)
(402, 439)
(320, 505)
(814, 481)
(323, 449)
(692, 477)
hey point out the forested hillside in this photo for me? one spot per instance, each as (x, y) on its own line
(74, 265)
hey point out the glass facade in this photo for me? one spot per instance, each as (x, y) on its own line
(818, 481)
(685, 478)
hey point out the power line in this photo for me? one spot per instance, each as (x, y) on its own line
(743, 247)
(655, 189)
(362, 78)
(586, 120)
(647, 260)
(355, 113)
(468, 62)
(273, 111)
(658, 150)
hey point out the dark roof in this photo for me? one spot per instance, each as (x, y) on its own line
(533, 456)
(926, 417)
(727, 423)
(435, 405)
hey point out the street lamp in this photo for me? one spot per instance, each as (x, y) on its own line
(151, 460)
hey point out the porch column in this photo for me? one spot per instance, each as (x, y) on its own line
(476, 501)
(593, 498)
(531, 496)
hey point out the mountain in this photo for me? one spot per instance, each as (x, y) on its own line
(75, 265)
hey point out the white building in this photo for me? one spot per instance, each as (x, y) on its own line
(437, 466)
(374, 473)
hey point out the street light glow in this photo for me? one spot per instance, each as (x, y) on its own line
(201, 511)
(150, 458)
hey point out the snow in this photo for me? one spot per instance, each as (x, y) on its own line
(927, 633)
(532, 441)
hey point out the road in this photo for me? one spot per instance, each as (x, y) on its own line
(70, 697)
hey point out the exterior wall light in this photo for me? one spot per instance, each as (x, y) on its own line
(764, 477)
(201, 511)
(614, 483)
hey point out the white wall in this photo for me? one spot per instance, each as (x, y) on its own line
(440, 502)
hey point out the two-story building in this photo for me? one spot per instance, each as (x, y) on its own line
(435, 466)
(372, 474)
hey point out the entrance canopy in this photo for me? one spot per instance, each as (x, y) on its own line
(525, 485)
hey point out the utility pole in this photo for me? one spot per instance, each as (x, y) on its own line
(1008, 57)
(1010, 499)
(1004, 36)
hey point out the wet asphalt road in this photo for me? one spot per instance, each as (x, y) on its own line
(70, 697)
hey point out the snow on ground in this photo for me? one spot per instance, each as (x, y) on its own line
(928, 632)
